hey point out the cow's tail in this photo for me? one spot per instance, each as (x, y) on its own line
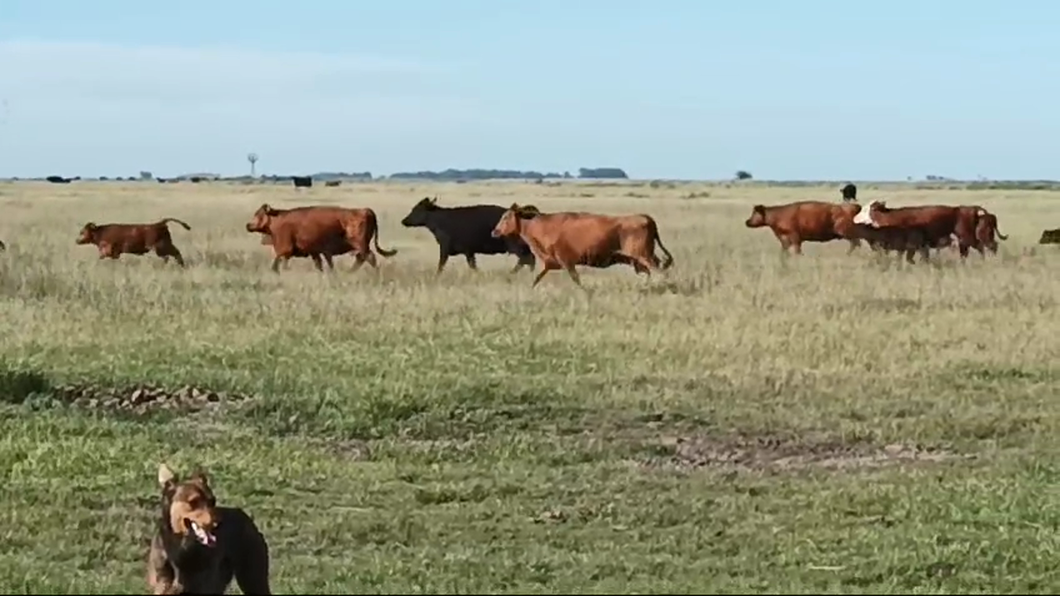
(375, 239)
(668, 259)
(175, 220)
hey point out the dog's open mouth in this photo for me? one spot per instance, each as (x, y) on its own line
(205, 537)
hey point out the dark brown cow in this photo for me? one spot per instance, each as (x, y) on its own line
(315, 231)
(937, 222)
(807, 221)
(566, 239)
(900, 240)
(136, 239)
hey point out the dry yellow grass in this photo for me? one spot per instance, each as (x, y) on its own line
(735, 424)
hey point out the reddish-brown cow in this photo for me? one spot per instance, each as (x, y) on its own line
(807, 221)
(315, 231)
(114, 239)
(936, 222)
(567, 239)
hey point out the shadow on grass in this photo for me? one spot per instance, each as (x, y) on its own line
(18, 386)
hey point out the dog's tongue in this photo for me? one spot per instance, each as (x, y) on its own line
(204, 537)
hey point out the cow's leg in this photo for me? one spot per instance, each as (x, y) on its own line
(546, 267)
(573, 273)
(358, 261)
(470, 257)
(523, 261)
(327, 259)
(276, 263)
(170, 251)
(443, 258)
(317, 261)
(854, 243)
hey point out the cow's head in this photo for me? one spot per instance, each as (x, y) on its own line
(511, 222)
(262, 219)
(420, 212)
(88, 234)
(758, 217)
(865, 216)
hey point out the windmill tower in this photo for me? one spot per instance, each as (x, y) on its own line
(253, 159)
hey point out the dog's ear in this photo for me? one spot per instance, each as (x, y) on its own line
(166, 476)
(199, 477)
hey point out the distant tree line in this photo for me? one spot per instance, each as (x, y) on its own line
(484, 174)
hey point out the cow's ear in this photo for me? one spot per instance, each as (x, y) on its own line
(759, 209)
(90, 226)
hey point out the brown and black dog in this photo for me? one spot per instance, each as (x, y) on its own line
(198, 547)
(136, 239)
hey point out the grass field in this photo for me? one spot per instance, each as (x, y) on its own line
(747, 423)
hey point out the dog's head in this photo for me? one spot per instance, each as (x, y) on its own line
(189, 508)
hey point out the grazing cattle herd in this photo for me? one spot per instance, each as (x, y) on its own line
(567, 240)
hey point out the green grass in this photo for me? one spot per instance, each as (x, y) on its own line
(723, 429)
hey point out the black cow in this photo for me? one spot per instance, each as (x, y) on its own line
(467, 231)
(1050, 237)
(2, 245)
(850, 193)
(302, 181)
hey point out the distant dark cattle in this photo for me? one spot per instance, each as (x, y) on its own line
(302, 181)
(850, 193)
(2, 245)
(1050, 237)
(58, 180)
(333, 183)
(314, 231)
(466, 230)
(807, 221)
(567, 239)
(113, 240)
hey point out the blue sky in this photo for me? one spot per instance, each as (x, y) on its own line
(694, 89)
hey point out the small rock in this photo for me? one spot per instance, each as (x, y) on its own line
(138, 396)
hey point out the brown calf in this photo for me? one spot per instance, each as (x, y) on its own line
(936, 222)
(316, 231)
(807, 221)
(567, 239)
(136, 239)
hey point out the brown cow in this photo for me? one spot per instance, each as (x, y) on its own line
(315, 231)
(807, 221)
(566, 239)
(937, 222)
(337, 245)
(136, 239)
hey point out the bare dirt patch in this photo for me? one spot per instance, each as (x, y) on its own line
(143, 398)
(781, 453)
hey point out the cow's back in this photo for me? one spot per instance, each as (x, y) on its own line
(468, 228)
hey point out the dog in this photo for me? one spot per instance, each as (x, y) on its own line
(198, 547)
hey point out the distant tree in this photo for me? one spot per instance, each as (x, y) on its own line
(743, 175)
(608, 173)
(145, 175)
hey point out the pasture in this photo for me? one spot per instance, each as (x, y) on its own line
(742, 422)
